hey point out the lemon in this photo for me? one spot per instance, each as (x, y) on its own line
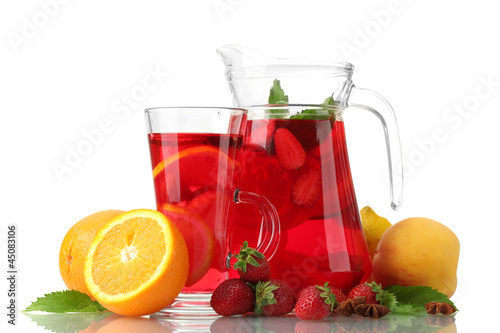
(373, 227)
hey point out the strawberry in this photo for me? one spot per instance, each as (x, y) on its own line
(364, 290)
(315, 302)
(252, 266)
(233, 297)
(339, 295)
(306, 190)
(274, 298)
(290, 153)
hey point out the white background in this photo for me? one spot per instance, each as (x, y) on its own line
(69, 73)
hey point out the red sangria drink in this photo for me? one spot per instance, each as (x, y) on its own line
(197, 176)
(298, 160)
(188, 170)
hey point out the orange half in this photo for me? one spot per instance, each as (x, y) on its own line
(137, 263)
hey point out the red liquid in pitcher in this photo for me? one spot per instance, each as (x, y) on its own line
(302, 167)
(194, 176)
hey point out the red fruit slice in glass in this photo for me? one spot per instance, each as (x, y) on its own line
(291, 155)
(306, 190)
(199, 240)
(196, 166)
(260, 135)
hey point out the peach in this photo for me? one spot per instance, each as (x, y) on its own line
(418, 252)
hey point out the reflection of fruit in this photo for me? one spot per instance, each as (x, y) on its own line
(199, 240)
(199, 165)
(289, 151)
(75, 246)
(418, 252)
(132, 325)
(96, 325)
(373, 227)
(137, 263)
(232, 324)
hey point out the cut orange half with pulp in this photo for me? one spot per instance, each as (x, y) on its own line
(199, 239)
(137, 263)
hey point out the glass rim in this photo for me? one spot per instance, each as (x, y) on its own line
(213, 108)
(284, 106)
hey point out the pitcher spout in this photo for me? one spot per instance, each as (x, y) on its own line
(235, 56)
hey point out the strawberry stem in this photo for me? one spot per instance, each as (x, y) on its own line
(247, 256)
(326, 293)
(264, 295)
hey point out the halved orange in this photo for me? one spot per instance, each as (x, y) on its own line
(196, 166)
(75, 247)
(199, 239)
(137, 263)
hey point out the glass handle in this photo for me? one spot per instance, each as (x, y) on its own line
(271, 238)
(373, 102)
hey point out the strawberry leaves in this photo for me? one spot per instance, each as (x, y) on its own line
(264, 296)
(326, 293)
(246, 256)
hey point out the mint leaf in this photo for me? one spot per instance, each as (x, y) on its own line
(385, 297)
(417, 296)
(65, 301)
(277, 94)
(313, 113)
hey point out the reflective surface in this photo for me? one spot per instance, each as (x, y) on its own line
(112, 323)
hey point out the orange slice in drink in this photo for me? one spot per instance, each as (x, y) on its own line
(199, 239)
(204, 203)
(137, 263)
(197, 166)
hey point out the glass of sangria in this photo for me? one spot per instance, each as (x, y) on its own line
(197, 176)
(296, 156)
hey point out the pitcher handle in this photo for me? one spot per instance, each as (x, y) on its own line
(373, 102)
(271, 239)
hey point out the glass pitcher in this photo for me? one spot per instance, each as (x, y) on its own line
(294, 153)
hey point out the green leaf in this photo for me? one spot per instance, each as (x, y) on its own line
(65, 301)
(326, 293)
(277, 94)
(314, 114)
(246, 256)
(264, 295)
(417, 296)
(385, 297)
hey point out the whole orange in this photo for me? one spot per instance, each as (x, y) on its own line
(75, 246)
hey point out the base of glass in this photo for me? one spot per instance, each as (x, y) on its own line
(188, 307)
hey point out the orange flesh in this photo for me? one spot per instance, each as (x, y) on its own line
(132, 251)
